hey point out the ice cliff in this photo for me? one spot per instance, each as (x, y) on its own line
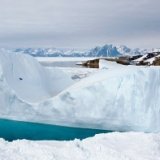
(118, 98)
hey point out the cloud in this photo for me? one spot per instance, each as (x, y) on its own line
(80, 23)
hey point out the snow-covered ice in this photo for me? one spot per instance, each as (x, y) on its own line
(117, 98)
(104, 64)
(63, 59)
(112, 146)
(29, 80)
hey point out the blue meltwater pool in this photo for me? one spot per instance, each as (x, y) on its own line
(12, 130)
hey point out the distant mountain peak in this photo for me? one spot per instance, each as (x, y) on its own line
(107, 50)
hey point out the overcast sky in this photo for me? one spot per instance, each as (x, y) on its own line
(79, 23)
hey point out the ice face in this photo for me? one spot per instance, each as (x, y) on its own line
(29, 79)
(120, 98)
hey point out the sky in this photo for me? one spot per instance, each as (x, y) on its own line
(79, 23)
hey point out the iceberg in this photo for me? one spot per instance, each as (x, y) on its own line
(116, 98)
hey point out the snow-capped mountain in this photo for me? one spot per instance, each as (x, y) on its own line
(99, 51)
(104, 51)
(51, 52)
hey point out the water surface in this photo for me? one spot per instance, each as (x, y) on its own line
(12, 130)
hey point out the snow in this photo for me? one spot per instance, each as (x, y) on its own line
(65, 64)
(30, 81)
(78, 73)
(141, 58)
(112, 99)
(151, 60)
(63, 59)
(117, 98)
(71, 62)
(113, 146)
(146, 59)
(104, 64)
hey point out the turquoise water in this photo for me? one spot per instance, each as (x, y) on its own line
(12, 130)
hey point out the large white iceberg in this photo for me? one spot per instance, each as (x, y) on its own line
(121, 98)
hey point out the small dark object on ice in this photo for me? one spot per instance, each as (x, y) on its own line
(20, 78)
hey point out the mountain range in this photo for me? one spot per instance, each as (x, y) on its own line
(99, 51)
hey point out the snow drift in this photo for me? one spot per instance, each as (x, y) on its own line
(29, 80)
(114, 146)
(114, 99)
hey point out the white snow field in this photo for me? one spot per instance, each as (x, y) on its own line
(112, 146)
(29, 80)
(63, 59)
(118, 98)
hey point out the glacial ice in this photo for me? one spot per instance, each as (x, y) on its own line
(112, 146)
(29, 80)
(116, 98)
